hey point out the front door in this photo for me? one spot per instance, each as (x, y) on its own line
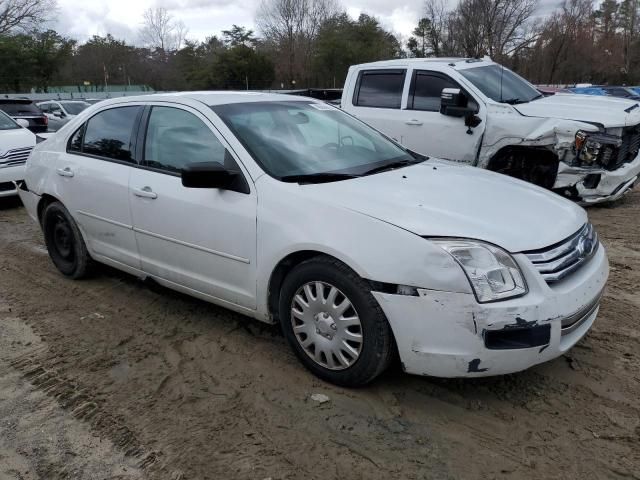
(201, 239)
(425, 130)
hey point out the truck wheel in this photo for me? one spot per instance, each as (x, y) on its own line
(333, 323)
(64, 242)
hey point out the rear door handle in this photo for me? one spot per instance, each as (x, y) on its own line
(145, 192)
(67, 172)
(413, 122)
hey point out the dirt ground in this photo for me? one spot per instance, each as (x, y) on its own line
(115, 378)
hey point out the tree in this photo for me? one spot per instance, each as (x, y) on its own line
(498, 28)
(161, 31)
(49, 51)
(291, 28)
(239, 36)
(343, 42)
(419, 44)
(24, 15)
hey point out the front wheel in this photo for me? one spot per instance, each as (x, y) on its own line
(333, 323)
(64, 242)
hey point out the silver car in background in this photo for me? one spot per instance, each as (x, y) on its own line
(60, 112)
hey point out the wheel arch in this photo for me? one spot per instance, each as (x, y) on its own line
(44, 201)
(533, 164)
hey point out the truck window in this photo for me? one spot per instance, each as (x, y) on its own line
(379, 88)
(426, 89)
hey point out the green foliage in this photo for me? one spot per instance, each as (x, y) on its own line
(343, 42)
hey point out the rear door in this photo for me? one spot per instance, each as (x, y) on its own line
(377, 99)
(425, 130)
(92, 180)
(200, 239)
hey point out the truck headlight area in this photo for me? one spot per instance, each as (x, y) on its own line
(492, 272)
(591, 147)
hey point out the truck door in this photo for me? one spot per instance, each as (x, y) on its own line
(425, 130)
(377, 99)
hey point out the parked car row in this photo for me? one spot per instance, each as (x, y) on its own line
(48, 116)
(293, 211)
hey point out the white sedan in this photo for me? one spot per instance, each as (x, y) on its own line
(16, 143)
(289, 210)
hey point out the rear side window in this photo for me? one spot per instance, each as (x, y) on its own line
(426, 90)
(176, 137)
(109, 134)
(20, 108)
(379, 88)
(75, 142)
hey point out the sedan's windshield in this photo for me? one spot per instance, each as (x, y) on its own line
(292, 140)
(501, 84)
(74, 108)
(6, 123)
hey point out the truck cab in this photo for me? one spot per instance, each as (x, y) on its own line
(476, 112)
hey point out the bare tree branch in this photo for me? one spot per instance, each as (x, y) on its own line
(24, 15)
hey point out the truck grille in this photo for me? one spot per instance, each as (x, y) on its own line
(557, 261)
(626, 152)
(15, 157)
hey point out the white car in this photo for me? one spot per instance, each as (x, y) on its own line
(476, 112)
(289, 210)
(16, 143)
(60, 112)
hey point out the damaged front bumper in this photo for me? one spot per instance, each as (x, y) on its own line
(447, 334)
(597, 185)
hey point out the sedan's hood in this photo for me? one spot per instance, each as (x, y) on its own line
(444, 200)
(607, 111)
(15, 138)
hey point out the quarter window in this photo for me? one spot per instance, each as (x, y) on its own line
(380, 88)
(426, 91)
(75, 142)
(109, 134)
(176, 137)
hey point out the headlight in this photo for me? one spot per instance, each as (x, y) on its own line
(492, 272)
(590, 146)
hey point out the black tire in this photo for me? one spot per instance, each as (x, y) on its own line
(377, 347)
(65, 243)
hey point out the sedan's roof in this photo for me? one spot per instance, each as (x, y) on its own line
(214, 97)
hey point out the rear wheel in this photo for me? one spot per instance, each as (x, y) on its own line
(64, 242)
(333, 323)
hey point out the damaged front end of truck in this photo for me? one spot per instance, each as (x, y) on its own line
(600, 166)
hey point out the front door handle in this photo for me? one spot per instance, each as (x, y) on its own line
(67, 172)
(145, 192)
(413, 122)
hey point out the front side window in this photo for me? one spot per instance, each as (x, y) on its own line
(109, 133)
(501, 84)
(380, 89)
(176, 137)
(426, 91)
(299, 138)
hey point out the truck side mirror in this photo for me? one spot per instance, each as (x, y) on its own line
(453, 103)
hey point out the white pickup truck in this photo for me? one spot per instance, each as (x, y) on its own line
(477, 112)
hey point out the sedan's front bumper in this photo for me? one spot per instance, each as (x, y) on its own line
(448, 334)
(8, 178)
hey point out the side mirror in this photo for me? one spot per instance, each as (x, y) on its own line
(213, 175)
(58, 113)
(453, 103)
(22, 122)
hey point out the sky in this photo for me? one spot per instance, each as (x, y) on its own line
(81, 19)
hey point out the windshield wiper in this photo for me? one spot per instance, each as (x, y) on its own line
(393, 165)
(320, 177)
(512, 101)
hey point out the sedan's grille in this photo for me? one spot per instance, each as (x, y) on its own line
(15, 157)
(556, 262)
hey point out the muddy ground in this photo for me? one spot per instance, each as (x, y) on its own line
(115, 378)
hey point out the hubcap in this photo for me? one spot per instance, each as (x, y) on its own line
(326, 325)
